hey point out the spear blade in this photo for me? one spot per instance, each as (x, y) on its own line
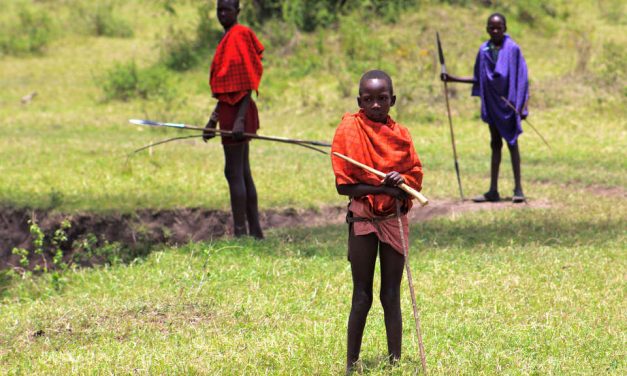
(440, 53)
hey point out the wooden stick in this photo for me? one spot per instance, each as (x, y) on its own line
(412, 192)
(450, 118)
(421, 346)
(525, 119)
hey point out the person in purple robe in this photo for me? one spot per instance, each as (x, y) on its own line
(500, 76)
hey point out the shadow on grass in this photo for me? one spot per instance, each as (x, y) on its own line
(475, 231)
(519, 228)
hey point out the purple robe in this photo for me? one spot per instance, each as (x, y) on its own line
(506, 77)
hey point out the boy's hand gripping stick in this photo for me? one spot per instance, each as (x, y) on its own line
(412, 192)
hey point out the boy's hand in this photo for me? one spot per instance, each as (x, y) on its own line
(393, 179)
(211, 124)
(238, 130)
(395, 192)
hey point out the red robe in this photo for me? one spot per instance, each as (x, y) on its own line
(236, 65)
(385, 147)
(236, 70)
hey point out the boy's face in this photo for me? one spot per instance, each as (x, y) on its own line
(375, 98)
(496, 28)
(227, 13)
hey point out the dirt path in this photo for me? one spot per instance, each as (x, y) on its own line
(179, 226)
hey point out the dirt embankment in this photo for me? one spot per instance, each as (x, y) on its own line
(147, 228)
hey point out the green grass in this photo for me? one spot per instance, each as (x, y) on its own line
(73, 144)
(529, 291)
(525, 291)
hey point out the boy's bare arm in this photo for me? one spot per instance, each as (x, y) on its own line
(211, 124)
(360, 190)
(447, 77)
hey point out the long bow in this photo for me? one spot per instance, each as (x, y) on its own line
(304, 143)
(448, 111)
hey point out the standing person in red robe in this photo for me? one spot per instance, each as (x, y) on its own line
(235, 73)
(371, 137)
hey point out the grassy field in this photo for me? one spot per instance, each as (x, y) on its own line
(524, 291)
(521, 292)
(73, 144)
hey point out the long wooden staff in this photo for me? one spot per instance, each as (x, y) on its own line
(412, 192)
(421, 346)
(527, 121)
(450, 119)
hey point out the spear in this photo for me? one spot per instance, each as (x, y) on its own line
(525, 119)
(304, 143)
(448, 110)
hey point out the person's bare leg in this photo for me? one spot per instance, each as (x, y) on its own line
(392, 264)
(362, 252)
(514, 152)
(252, 209)
(234, 173)
(496, 145)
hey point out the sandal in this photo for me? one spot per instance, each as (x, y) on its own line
(490, 196)
(518, 197)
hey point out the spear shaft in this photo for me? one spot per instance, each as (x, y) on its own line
(249, 135)
(450, 118)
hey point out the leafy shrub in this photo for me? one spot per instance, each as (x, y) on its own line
(180, 52)
(125, 81)
(101, 20)
(309, 15)
(613, 64)
(30, 35)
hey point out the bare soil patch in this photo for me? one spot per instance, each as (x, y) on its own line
(146, 228)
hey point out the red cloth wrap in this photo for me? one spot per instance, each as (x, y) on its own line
(387, 230)
(226, 119)
(385, 147)
(236, 65)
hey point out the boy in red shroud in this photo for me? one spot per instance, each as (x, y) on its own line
(373, 138)
(235, 73)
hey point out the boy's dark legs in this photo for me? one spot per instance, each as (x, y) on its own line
(362, 252)
(496, 144)
(252, 210)
(392, 264)
(515, 154)
(234, 172)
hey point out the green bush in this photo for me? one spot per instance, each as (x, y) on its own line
(613, 64)
(309, 15)
(31, 34)
(101, 20)
(125, 81)
(180, 52)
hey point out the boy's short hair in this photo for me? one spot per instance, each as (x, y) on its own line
(376, 75)
(499, 15)
(235, 2)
